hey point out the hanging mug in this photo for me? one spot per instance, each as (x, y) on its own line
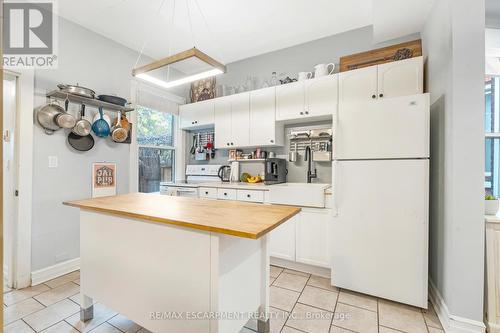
(304, 76)
(322, 69)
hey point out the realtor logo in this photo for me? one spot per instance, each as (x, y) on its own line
(29, 34)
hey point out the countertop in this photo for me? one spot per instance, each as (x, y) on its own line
(234, 218)
(492, 219)
(258, 186)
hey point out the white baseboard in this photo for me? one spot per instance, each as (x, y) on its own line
(452, 323)
(51, 272)
(315, 270)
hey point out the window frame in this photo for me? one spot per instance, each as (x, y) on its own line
(494, 134)
(178, 136)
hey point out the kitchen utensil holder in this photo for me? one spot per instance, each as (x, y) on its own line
(204, 134)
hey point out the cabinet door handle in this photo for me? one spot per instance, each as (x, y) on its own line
(374, 96)
(381, 95)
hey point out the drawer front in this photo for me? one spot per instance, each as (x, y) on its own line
(207, 193)
(251, 196)
(226, 194)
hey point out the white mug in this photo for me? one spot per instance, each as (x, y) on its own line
(322, 69)
(304, 76)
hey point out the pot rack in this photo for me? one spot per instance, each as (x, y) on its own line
(57, 94)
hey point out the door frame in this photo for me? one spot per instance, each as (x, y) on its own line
(23, 136)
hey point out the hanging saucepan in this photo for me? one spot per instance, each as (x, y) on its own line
(82, 126)
(81, 143)
(118, 133)
(64, 119)
(46, 117)
(101, 126)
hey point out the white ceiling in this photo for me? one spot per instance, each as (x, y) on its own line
(493, 13)
(395, 18)
(237, 29)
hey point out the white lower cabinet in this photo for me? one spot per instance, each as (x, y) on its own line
(250, 195)
(492, 292)
(226, 194)
(304, 238)
(282, 240)
(207, 193)
(312, 230)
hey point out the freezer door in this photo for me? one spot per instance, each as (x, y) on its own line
(385, 128)
(380, 236)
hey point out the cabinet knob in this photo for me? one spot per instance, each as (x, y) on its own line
(192, 122)
(381, 95)
(227, 143)
(301, 113)
(248, 195)
(225, 193)
(232, 144)
(206, 192)
(307, 112)
(272, 141)
(196, 121)
(374, 96)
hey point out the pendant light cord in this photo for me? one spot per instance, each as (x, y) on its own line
(171, 37)
(205, 22)
(193, 39)
(149, 35)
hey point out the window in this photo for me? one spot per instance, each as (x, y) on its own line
(492, 135)
(156, 152)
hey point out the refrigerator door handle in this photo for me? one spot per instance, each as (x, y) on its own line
(336, 187)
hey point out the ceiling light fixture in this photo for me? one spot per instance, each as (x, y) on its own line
(190, 65)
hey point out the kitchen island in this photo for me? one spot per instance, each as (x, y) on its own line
(175, 264)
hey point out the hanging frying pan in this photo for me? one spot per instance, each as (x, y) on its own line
(81, 143)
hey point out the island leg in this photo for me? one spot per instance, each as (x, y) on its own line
(263, 324)
(86, 308)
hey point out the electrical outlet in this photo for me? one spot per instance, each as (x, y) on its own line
(53, 161)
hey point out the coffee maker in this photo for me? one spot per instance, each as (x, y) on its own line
(275, 171)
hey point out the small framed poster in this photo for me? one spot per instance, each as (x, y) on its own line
(103, 179)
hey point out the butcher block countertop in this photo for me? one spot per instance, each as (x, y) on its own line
(234, 218)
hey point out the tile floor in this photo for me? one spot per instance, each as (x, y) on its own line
(299, 303)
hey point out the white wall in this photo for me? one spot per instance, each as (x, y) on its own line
(93, 61)
(454, 45)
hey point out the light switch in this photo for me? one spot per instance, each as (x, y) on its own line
(53, 161)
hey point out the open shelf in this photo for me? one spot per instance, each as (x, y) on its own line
(248, 160)
(87, 101)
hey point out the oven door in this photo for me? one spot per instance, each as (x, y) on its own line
(179, 191)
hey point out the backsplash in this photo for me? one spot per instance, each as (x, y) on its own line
(297, 171)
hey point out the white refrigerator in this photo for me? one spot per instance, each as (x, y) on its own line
(381, 192)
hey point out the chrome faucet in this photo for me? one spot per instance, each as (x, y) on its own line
(308, 158)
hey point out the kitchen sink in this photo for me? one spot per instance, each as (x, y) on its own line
(298, 194)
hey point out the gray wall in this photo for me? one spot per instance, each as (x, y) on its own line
(288, 62)
(103, 65)
(454, 44)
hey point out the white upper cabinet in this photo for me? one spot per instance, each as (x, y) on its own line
(307, 99)
(393, 79)
(264, 131)
(358, 85)
(197, 115)
(222, 129)
(232, 116)
(321, 96)
(240, 120)
(401, 78)
(290, 101)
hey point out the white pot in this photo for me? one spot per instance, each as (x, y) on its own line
(491, 207)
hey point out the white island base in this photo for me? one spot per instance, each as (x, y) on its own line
(172, 279)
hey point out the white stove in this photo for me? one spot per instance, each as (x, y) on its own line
(195, 174)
